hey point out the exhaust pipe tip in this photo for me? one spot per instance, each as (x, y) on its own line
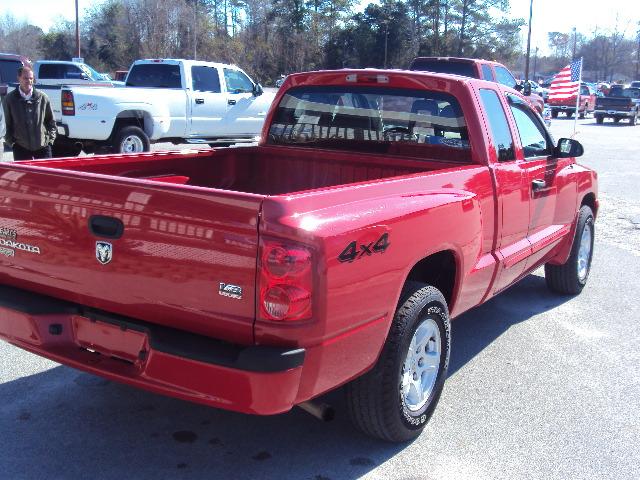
(321, 411)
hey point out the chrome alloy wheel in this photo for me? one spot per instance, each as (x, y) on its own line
(584, 253)
(421, 365)
(131, 144)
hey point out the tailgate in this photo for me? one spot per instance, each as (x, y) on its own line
(613, 103)
(59, 236)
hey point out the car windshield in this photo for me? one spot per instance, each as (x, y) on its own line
(417, 123)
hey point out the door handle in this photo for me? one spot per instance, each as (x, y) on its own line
(106, 227)
(199, 101)
(231, 102)
(538, 184)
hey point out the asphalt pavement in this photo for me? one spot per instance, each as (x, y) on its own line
(541, 386)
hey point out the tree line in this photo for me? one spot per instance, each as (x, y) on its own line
(273, 37)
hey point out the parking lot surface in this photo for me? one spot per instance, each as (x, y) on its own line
(541, 386)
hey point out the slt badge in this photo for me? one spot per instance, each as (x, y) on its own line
(104, 252)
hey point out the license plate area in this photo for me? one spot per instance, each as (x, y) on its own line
(111, 340)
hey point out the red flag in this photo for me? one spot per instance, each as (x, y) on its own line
(566, 84)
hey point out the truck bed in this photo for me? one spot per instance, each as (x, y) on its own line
(257, 170)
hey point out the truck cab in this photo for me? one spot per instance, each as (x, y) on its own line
(55, 72)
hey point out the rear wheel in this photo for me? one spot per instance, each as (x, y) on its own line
(571, 277)
(397, 397)
(599, 119)
(554, 114)
(131, 139)
(633, 120)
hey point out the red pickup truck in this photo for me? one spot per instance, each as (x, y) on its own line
(377, 206)
(567, 105)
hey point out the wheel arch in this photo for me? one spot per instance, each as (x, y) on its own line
(438, 270)
(136, 118)
(590, 200)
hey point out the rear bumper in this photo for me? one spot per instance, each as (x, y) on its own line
(615, 113)
(256, 379)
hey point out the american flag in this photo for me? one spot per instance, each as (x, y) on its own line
(566, 84)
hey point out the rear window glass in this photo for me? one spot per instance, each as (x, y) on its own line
(445, 66)
(9, 70)
(415, 123)
(154, 75)
(631, 92)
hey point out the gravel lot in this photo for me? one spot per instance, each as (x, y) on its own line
(541, 386)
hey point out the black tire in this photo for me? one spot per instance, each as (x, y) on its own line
(131, 139)
(599, 119)
(554, 113)
(65, 149)
(376, 401)
(633, 120)
(571, 277)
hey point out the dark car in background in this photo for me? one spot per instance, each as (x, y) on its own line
(478, 68)
(9, 64)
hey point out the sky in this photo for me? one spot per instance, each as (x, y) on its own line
(548, 15)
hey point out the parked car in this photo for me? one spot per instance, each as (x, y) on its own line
(120, 75)
(621, 104)
(539, 90)
(567, 105)
(164, 100)
(477, 68)
(9, 64)
(58, 72)
(378, 206)
(635, 84)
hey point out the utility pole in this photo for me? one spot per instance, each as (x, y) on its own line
(573, 55)
(77, 33)
(195, 29)
(386, 39)
(637, 77)
(535, 64)
(526, 68)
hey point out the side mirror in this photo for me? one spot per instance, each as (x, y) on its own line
(526, 89)
(567, 148)
(257, 90)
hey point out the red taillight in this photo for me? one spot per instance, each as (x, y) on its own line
(67, 103)
(285, 281)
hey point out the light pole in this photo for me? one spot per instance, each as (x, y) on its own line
(535, 64)
(386, 39)
(77, 33)
(573, 55)
(526, 68)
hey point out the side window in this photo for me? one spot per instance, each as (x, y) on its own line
(205, 79)
(48, 71)
(532, 134)
(500, 132)
(71, 71)
(237, 82)
(487, 73)
(504, 77)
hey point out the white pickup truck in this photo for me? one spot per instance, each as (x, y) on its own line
(168, 100)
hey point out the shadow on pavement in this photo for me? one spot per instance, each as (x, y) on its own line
(476, 329)
(63, 423)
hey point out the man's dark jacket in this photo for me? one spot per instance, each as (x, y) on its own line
(32, 131)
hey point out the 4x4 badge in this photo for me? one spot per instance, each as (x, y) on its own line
(104, 252)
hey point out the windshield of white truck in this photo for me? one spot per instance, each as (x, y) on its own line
(154, 75)
(372, 119)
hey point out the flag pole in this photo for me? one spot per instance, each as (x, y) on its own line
(575, 118)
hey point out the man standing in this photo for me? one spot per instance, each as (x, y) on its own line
(31, 128)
